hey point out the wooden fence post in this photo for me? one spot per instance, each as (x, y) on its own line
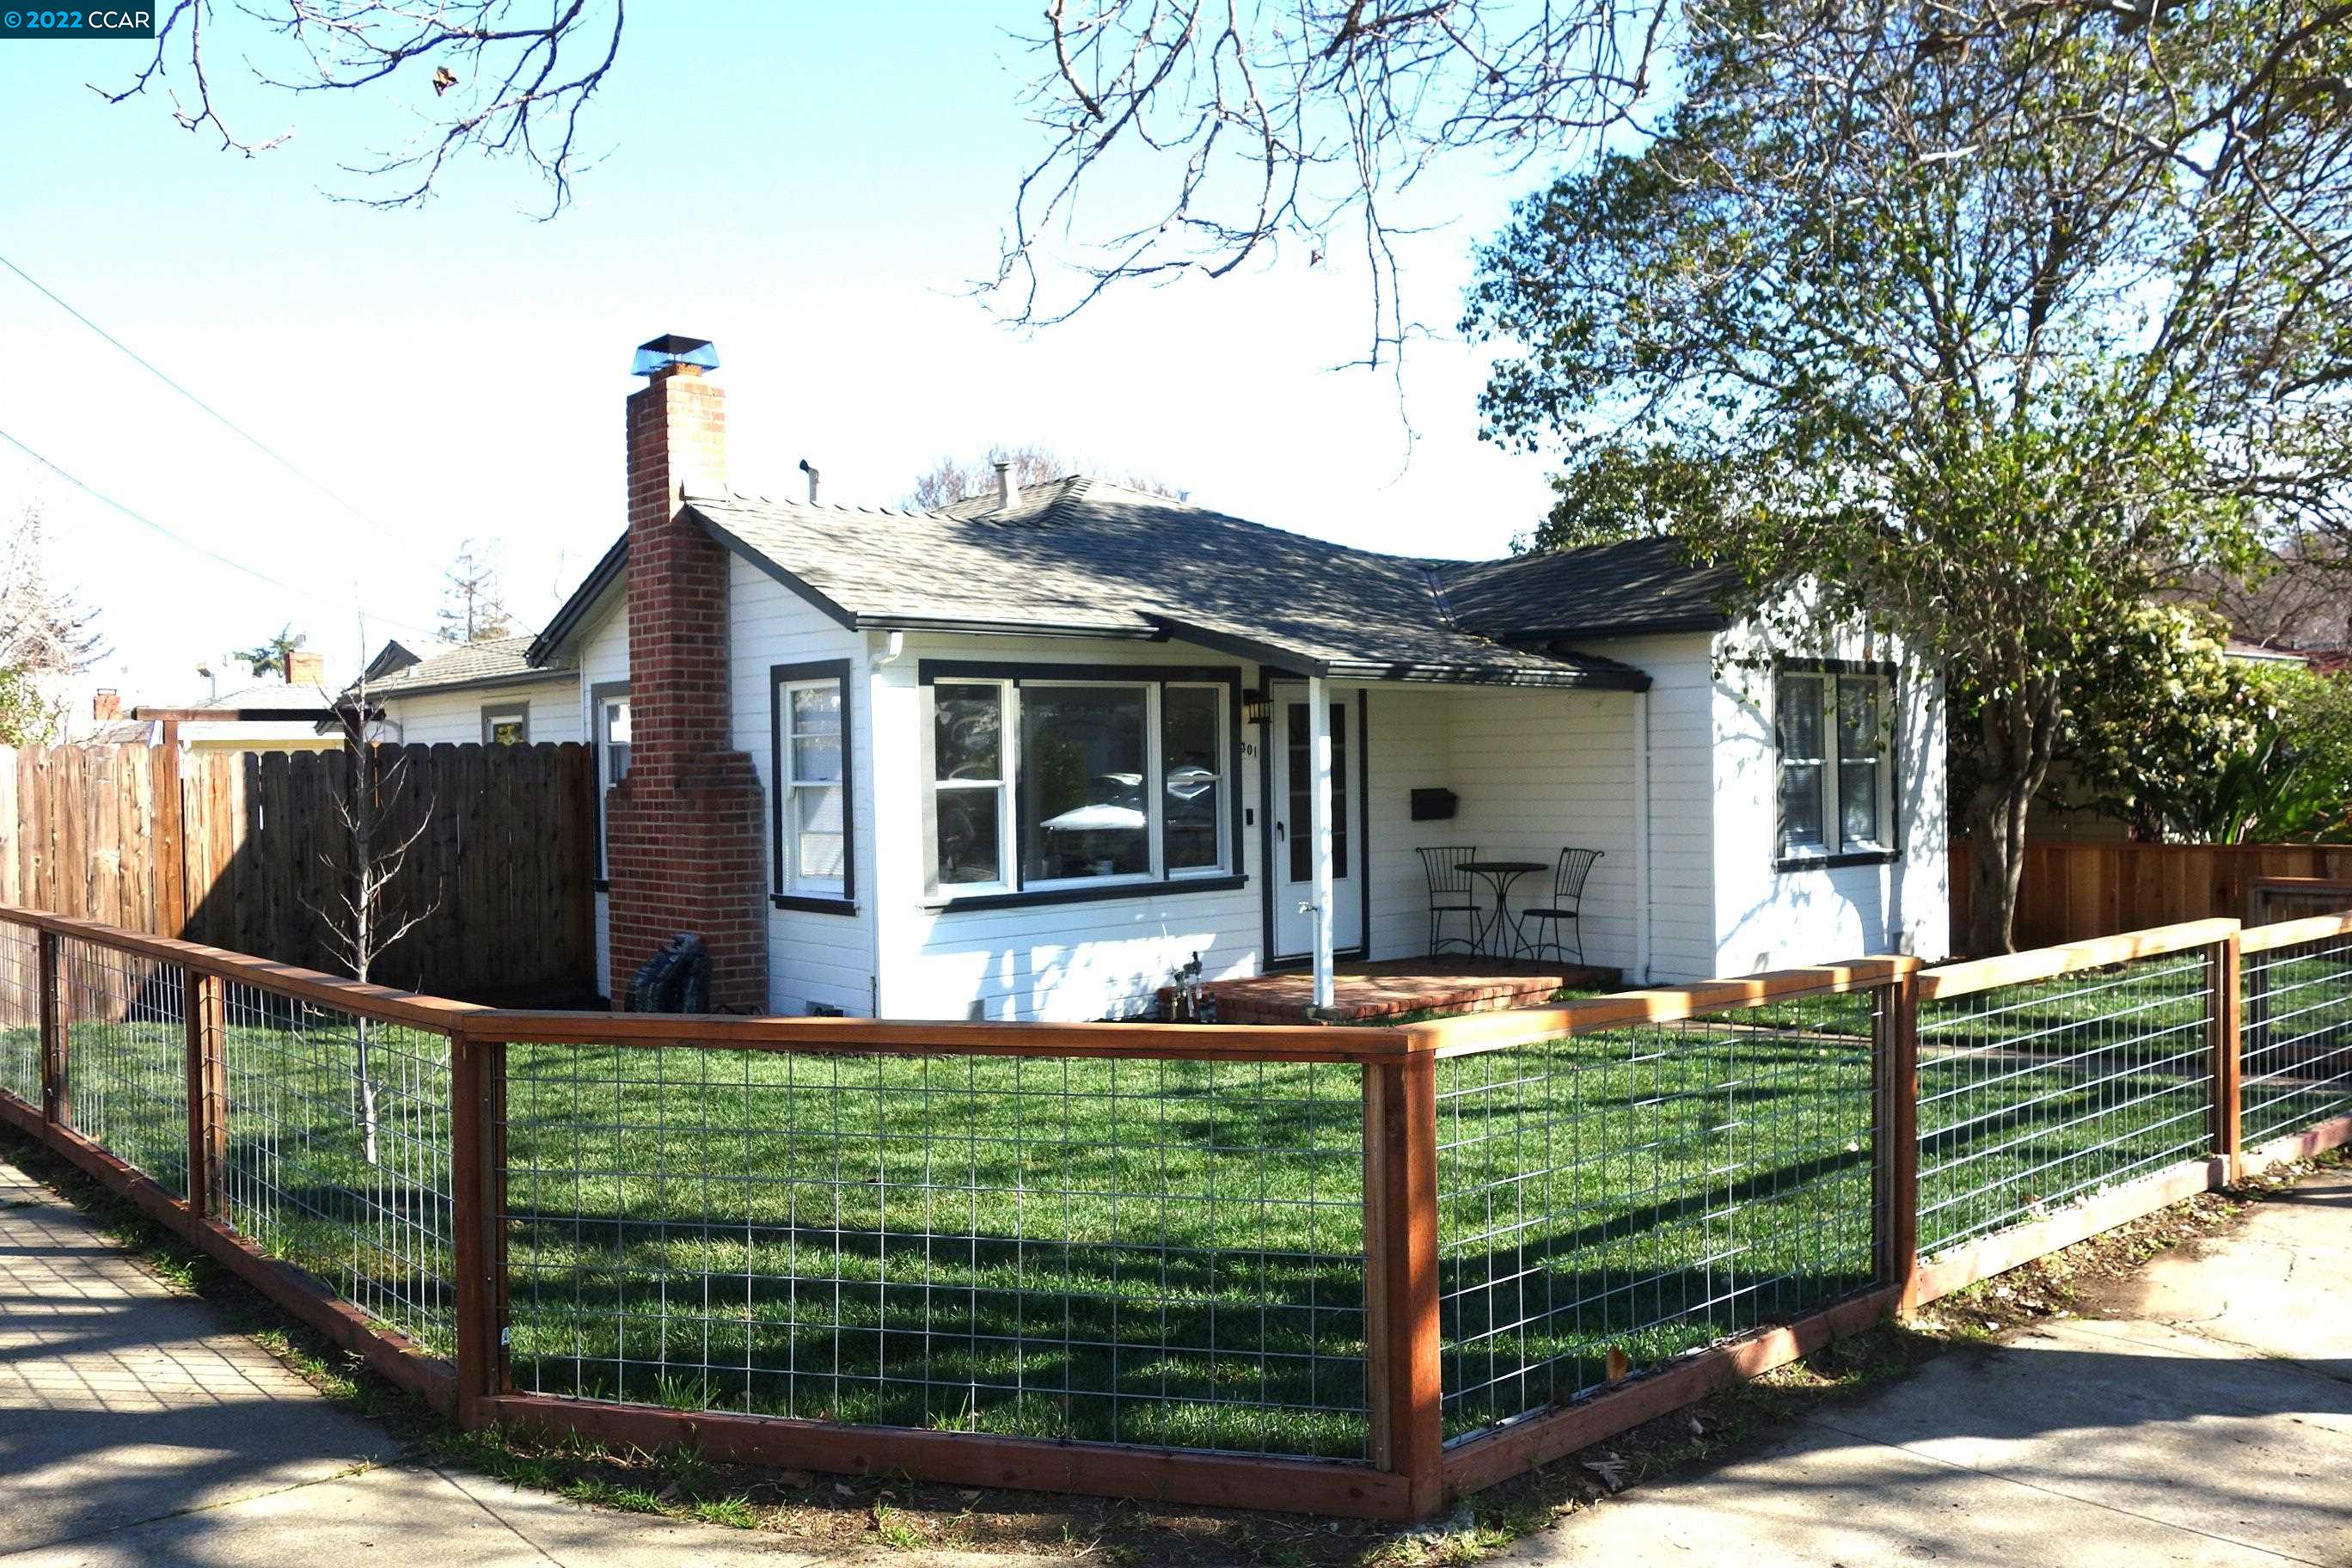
(1895, 1048)
(201, 1002)
(476, 1192)
(2224, 1025)
(1403, 1379)
(57, 1079)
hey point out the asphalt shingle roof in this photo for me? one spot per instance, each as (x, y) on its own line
(1604, 589)
(467, 664)
(1082, 555)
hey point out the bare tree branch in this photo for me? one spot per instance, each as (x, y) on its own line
(501, 87)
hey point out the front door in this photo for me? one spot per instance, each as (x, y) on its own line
(1289, 809)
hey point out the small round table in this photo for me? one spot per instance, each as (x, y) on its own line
(1499, 874)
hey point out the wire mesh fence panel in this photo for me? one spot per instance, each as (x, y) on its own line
(1150, 1252)
(2295, 1061)
(20, 1012)
(1609, 1201)
(2036, 1094)
(127, 1067)
(339, 1154)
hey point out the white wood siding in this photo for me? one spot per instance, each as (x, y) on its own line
(454, 717)
(1767, 919)
(813, 958)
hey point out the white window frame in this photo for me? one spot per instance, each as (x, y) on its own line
(1011, 882)
(1153, 870)
(599, 699)
(1005, 785)
(1224, 779)
(792, 889)
(1826, 680)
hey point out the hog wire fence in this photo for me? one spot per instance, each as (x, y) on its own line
(1346, 1270)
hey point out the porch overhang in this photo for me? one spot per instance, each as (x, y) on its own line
(1601, 674)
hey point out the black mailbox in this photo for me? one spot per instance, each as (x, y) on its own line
(1433, 805)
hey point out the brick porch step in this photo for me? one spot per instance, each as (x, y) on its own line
(1368, 993)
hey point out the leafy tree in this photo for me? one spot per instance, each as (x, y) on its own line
(473, 604)
(2164, 712)
(268, 656)
(949, 480)
(1980, 328)
(44, 631)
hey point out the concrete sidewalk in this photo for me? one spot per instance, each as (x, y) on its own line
(134, 1431)
(2209, 1423)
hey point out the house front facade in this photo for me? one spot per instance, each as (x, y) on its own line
(1027, 756)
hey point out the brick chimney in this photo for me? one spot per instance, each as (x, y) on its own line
(304, 668)
(685, 845)
(107, 705)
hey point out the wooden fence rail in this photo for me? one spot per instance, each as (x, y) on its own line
(2071, 892)
(239, 851)
(452, 1342)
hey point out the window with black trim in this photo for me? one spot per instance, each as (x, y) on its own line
(815, 847)
(1058, 780)
(1833, 736)
(507, 726)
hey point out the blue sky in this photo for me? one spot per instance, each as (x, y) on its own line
(811, 188)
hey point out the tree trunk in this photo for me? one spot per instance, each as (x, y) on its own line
(2019, 732)
(1996, 828)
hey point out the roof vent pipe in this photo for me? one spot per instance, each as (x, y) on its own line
(812, 474)
(1008, 489)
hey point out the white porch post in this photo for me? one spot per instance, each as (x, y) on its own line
(1318, 746)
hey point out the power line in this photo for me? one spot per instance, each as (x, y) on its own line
(187, 543)
(248, 437)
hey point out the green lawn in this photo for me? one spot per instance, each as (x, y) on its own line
(1172, 1253)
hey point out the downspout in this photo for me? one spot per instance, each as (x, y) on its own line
(895, 646)
(1642, 892)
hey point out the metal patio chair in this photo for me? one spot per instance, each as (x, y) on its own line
(1566, 906)
(1452, 892)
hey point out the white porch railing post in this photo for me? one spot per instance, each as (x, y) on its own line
(1318, 733)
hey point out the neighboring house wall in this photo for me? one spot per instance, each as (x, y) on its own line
(814, 957)
(1767, 919)
(454, 717)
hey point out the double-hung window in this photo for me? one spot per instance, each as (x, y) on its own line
(815, 842)
(1831, 728)
(1054, 779)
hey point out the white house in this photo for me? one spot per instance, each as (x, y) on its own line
(488, 692)
(1023, 757)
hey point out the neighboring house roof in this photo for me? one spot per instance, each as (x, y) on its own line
(256, 718)
(391, 657)
(1080, 557)
(499, 662)
(1604, 589)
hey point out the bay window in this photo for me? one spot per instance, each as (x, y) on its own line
(1067, 781)
(1835, 746)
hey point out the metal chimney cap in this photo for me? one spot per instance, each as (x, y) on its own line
(671, 349)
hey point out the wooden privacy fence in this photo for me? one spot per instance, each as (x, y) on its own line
(232, 849)
(2073, 892)
(1342, 1271)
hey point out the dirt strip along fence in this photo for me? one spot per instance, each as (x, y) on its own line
(1346, 1270)
(242, 849)
(2068, 891)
